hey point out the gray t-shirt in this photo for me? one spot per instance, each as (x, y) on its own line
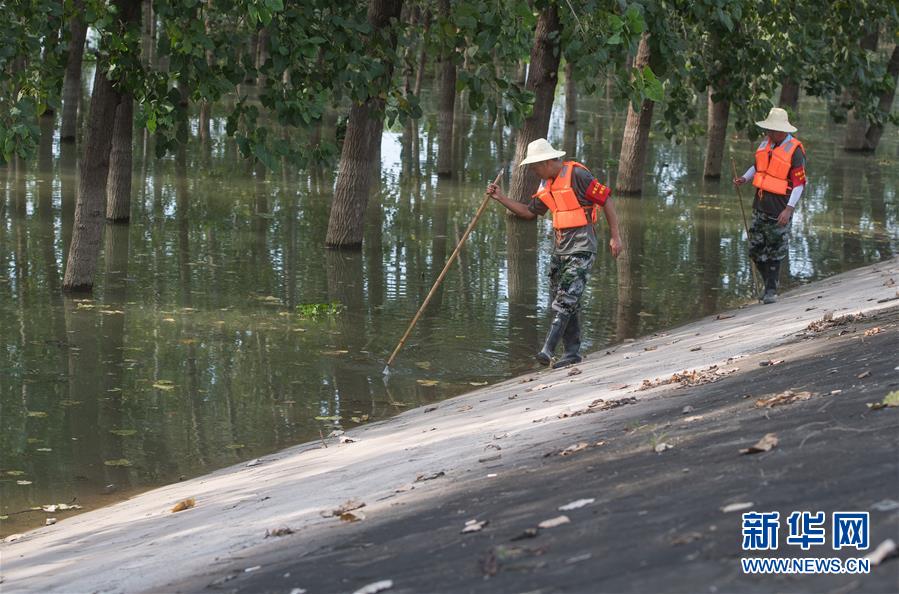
(577, 239)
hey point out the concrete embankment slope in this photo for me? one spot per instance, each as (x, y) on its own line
(495, 455)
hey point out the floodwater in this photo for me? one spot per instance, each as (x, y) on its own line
(220, 329)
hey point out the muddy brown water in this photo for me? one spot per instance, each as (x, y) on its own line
(220, 329)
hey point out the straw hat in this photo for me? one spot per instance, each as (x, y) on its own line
(777, 120)
(540, 150)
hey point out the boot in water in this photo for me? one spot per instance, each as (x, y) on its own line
(552, 337)
(762, 267)
(572, 341)
(773, 272)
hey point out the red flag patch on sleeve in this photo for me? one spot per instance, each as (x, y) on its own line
(598, 193)
(797, 176)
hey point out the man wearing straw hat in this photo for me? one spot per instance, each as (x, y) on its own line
(779, 178)
(573, 196)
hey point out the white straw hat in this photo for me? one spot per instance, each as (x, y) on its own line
(777, 120)
(540, 150)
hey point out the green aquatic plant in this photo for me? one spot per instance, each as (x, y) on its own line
(319, 310)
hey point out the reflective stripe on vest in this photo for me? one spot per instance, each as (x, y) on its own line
(561, 200)
(772, 167)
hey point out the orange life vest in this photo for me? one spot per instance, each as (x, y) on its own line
(561, 199)
(772, 167)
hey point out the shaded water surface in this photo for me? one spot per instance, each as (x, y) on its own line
(220, 329)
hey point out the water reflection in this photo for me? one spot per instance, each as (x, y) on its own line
(192, 354)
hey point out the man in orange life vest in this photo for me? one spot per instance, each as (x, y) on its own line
(779, 178)
(573, 196)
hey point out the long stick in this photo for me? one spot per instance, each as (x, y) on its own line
(755, 273)
(446, 268)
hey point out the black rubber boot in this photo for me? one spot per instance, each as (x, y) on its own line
(762, 267)
(552, 337)
(772, 274)
(572, 341)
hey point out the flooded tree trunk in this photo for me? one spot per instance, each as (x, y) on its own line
(570, 95)
(875, 131)
(422, 54)
(71, 88)
(363, 137)
(569, 141)
(118, 189)
(521, 73)
(521, 262)
(45, 169)
(19, 191)
(635, 139)
(708, 248)
(446, 104)
(789, 94)
(262, 57)
(205, 107)
(856, 126)
(630, 269)
(93, 172)
(719, 112)
(542, 78)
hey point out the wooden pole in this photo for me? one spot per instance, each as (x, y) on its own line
(446, 268)
(755, 277)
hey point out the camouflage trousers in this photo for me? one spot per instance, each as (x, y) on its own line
(767, 239)
(568, 279)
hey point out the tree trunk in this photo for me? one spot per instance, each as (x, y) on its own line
(542, 78)
(521, 73)
(45, 169)
(446, 104)
(118, 190)
(630, 269)
(856, 126)
(570, 95)
(422, 56)
(716, 136)
(636, 135)
(94, 170)
(521, 266)
(363, 137)
(872, 137)
(789, 94)
(262, 57)
(71, 89)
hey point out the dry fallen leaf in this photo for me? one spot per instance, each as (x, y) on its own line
(686, 538)
(884, 551)
(765, 444)
(863, 374)
(553, 522)
(429, 477)
(732, 507)
(662, 446)
(770, 362)
(786, 397)
(284, 531)
(352, 516)
(184, 504)
(474, 526)
(375, 587)
(347, 506)
(575, 448)
(873, 331)
(577, 504)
